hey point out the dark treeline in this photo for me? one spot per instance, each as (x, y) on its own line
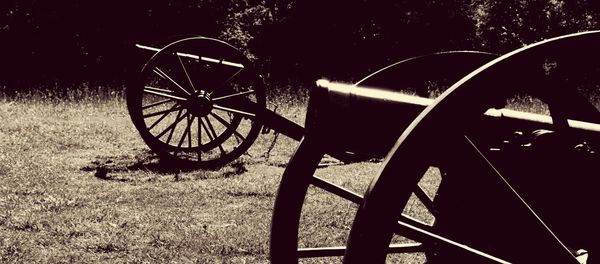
(70, 41)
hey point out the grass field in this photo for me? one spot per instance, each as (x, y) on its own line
(77, 184)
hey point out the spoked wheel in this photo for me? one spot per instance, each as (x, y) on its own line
(299, 174)
(197, 103)
(489, 209)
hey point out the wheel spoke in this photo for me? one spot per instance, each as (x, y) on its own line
(227, 124)
(157, 103)
(412, 221)
(232, 76)
(172, 126)
(206, 129)
(185, 132)
(356, 198)
(159, 90)
(199, 135)
(424, 198)
(244, 93)
(235, 111)
(212, 130)
(165, 76)
(337, 190)
(162, 93)
(176, 108)
(161, 118)
(403, 228)
(238, 137)
(189, 130)
(186, 73)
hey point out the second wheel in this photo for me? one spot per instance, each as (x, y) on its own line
(196, 101)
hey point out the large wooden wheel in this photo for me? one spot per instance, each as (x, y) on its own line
(196, 103)
(490, 209)
(299, 173)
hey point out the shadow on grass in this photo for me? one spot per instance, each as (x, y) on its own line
(123, 168)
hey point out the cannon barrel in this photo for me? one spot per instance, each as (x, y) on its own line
(368, 120)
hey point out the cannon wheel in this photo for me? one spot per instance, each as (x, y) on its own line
(380, 216)
(298, 176)
(195, 103)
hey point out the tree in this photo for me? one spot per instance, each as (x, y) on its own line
(293, 40)
(504, 25)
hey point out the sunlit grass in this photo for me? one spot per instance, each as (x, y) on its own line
(53, 211)
(77, 184)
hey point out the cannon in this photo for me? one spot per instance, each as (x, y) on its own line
(198, 102)
(516, 187)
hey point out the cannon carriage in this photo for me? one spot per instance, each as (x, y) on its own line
(515, 186)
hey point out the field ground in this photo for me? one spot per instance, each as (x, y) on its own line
(77, 184)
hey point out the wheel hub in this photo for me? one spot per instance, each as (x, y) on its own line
(200, 104)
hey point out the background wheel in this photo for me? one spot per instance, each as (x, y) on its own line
(483, 212)
(196, 101)
(299, 174)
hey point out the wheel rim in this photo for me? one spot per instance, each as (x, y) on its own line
(196, 102)
(298, 175)
(376, 222)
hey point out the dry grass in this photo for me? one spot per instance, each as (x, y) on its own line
(77, 184)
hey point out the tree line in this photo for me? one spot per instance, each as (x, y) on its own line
(291, 40)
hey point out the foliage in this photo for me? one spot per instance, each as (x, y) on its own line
(508, 24)
(292, 40)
